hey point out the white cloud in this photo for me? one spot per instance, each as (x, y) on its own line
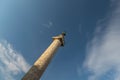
(12, 63)
(103, 52)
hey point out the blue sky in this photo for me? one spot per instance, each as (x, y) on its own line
(91, 50)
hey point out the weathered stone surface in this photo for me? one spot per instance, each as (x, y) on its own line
(41, 64)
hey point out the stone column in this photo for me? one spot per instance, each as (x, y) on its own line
(41, 64)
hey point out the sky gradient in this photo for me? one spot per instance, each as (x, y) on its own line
(91, 50)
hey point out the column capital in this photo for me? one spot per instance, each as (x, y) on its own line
(61, 38)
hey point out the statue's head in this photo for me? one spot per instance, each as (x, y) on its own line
(63, 33)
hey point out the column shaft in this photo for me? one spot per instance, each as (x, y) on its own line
(41, 64)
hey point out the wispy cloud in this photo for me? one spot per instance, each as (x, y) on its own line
(48, 25)
(103, 52)
(12, 63)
